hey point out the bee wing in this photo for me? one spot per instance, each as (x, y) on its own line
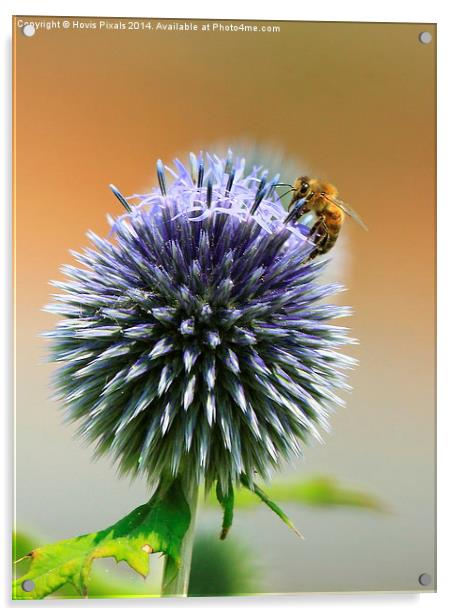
(348, 210)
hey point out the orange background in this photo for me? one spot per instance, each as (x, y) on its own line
(353, 103)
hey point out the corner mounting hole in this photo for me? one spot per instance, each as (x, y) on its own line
(424, 579)
(28, 30)
(28, 585)
(425, 38)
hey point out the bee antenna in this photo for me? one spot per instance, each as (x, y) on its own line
(286, 193)
(282, 184)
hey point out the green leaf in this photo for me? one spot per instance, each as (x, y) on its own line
(157, 526)
(271, 504)
(227, 503)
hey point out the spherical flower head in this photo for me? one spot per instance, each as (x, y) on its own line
(194, 340)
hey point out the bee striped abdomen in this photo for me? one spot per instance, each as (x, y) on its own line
(324, 237)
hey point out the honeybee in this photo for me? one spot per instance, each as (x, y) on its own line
(321, 198)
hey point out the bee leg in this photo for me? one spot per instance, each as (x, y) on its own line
(318, 234)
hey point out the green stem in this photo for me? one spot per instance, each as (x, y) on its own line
(175, 579)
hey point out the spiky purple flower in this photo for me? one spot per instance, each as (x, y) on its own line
(194, 340)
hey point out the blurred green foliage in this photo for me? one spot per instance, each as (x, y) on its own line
(222, 568)
(315, 492)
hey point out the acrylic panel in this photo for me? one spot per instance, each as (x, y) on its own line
(197, 363)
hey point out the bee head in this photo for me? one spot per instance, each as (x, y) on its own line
(302, 186)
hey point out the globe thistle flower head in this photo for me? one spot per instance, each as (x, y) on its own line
(194, 340)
